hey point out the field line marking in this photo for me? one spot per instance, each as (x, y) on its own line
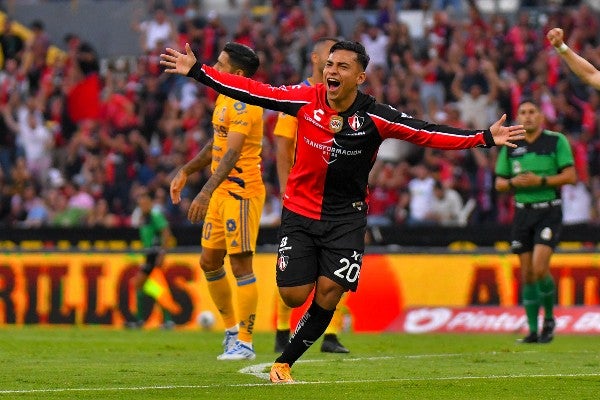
(170, 387)
(257, 370)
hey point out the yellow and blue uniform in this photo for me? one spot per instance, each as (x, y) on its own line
(233, 215)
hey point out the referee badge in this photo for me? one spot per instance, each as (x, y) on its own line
(335, 123)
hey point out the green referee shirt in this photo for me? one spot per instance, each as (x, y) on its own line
(548, 155)
(151, 228)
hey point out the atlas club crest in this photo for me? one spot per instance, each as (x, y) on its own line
(356, 122)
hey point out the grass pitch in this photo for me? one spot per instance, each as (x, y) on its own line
(104, 363)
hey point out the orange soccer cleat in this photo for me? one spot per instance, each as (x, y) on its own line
(280, 373)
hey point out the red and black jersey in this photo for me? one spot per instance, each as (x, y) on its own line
(335, 151)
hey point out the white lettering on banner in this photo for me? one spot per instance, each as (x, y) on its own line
(588, 322)
(496, 319)
(481, 321)
(426, 319)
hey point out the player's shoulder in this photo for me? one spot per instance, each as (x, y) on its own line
(385, 111)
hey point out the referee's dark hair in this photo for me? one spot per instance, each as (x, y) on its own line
(242, 57)
(527, 99)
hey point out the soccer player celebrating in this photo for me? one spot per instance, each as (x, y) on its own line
(579, 65)
(535, 171)
(285, 140)
(340, 129)
(230, 204)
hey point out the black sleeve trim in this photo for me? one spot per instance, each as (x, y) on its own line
(489, 138)
(196, 71)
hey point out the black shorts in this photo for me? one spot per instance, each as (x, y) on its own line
(153, 258)
(310, 248)
(535, 226)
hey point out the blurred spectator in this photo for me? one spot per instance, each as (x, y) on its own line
(157, 30)
(476, 106)
(376, 42)
(383, 195)
(271, 213)
(34, 58)
(446, 206)
(11, 44)
(32, 137)
(420, 189)
(576, 204)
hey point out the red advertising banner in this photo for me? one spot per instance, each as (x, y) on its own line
(428, 292)
(492, 320)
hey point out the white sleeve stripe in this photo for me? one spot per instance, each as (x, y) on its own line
(410, 128)
(255, 95)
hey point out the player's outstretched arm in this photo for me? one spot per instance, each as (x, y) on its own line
(176, 62)
(506, 135)
(579, 65)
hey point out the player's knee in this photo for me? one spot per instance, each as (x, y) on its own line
(208, 265)
(293, 298)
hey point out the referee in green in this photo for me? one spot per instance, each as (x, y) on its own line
(535, 171)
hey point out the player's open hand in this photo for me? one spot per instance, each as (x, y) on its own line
(556, 37)
(177, 184)
(176, 62)
(506, 135)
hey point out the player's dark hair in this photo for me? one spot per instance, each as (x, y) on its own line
(242, 57)
(361, 54)
(325, 39)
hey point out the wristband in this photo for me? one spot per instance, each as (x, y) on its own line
(544, 181)
(562, 48)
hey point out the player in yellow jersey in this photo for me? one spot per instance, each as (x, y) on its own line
(285, 140)
(230, 204)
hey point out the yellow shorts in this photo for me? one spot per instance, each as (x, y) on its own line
(232, 224)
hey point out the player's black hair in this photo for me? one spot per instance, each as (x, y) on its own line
(325, 39)
(242, 57)
(361, 54)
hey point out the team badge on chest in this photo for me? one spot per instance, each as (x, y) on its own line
(355, 122)
(335, 123)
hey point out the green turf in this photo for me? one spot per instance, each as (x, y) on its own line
(100, 363)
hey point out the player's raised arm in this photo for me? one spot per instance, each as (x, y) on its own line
(394, 124)
(288, 99)
(579, 65)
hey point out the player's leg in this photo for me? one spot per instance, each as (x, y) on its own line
(339, 259)
(283, 315)
(331, 342)
(247, 301)
(241, 220)
(219, 288)
(212, 264)
(296, 274)
(310, 327)
(316, 319)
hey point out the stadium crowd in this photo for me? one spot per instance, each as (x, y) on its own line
(80, 136)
